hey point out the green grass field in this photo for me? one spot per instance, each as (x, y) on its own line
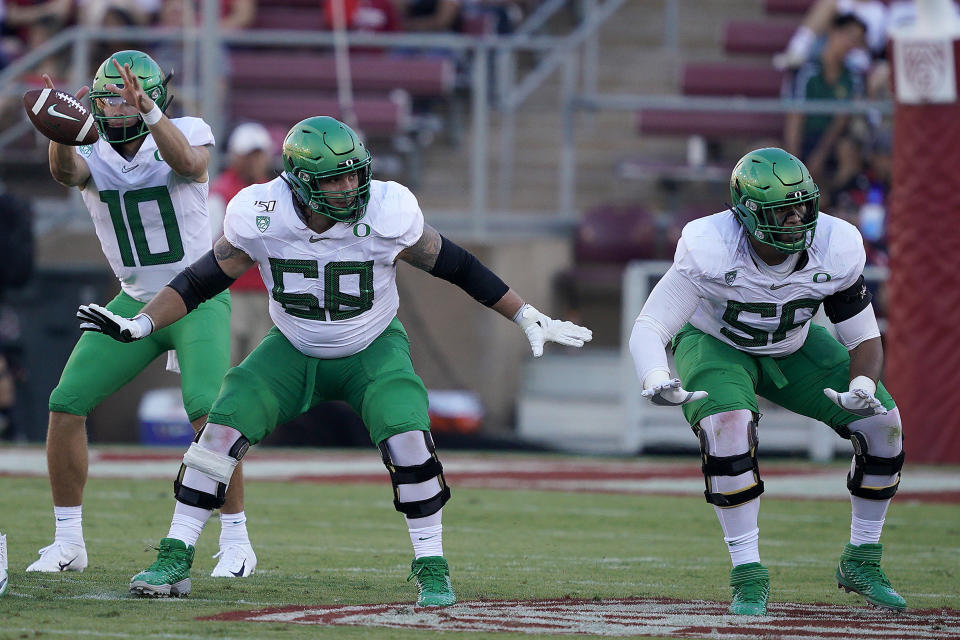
(344, 544)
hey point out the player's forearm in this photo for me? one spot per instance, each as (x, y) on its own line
(667, 308)
(65, 166)
(176, 151)
(867, 360)
(509, 304)
(166, 308)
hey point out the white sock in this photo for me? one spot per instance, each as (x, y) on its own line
(233, 529)
(186, 528)
(865, 531)
(744, 549)
(69, 522)
(427, 541)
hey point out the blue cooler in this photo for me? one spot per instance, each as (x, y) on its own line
(163, 420)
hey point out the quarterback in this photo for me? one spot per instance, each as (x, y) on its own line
(326, 239)
(737, 304)
(145, 184)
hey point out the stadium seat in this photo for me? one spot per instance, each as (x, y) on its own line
(713, 125)
(731, 79)
(795, 7)
(282, 16)
(762, 37)
(378, 116)
(424, 76)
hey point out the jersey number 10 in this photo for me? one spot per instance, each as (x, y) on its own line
(131, 204)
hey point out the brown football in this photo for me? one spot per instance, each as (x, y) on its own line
(59, 116)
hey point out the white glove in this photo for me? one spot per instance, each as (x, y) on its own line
(541, 329)
(93, 317)
(668, 393)
(860, 399)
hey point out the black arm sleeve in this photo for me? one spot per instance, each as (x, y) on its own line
(457, 265)
(200, 281)
(845, 304)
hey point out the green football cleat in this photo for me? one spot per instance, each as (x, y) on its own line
(433, 582)
(859, 570)
(169, 576)
(751, 588)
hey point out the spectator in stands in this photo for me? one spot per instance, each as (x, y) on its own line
(815, 138)
(432, 15)
(810, 35)
(505, 14)
(251, 162)
(33, 22)
(113, 13)
(367, 16)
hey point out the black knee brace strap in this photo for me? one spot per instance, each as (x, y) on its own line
(864, 463)
(413, 475)
(202, 499)
(730, 466)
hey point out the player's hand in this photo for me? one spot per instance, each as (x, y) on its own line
(79, 95)
(858, 401)
(131, 91)
(93, 317)
(541, 329)
(670, 394)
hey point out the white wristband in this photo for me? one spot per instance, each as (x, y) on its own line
(519, 318)
(145, 323)
(865, 383)
(153, 116)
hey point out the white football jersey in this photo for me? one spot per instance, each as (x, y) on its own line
(152, 223)
(753, 309)
(331, 294)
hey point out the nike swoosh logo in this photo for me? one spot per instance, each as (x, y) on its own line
(64, 566)
(52, 110)
(240, 573)
(428, 537)
(779, 286)
(128, 169)
(316, 238)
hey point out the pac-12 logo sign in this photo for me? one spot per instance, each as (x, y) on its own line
(262, 223)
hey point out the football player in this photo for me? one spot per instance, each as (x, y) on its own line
(145, 183)
(737, 305)
(326, 239)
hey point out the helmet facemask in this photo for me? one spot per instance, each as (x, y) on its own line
(307, 188)
(769, 218)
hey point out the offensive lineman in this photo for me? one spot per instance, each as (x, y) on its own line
(326, 239)
(737, 304)
(145, 183)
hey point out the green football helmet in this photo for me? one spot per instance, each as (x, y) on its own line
(765, 186)
(152, 80)
(323, 147)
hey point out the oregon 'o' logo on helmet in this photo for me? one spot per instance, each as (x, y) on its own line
(319, 148)
(152, 81)
(769, 185)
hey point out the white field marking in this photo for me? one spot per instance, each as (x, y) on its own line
(629, 617)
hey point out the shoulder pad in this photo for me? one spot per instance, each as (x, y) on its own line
(393, 209)
(707, 245)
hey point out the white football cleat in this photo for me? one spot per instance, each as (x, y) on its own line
(236, 561)
(60, 556)
(3, 565)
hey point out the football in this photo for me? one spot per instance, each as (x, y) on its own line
(59, 116)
